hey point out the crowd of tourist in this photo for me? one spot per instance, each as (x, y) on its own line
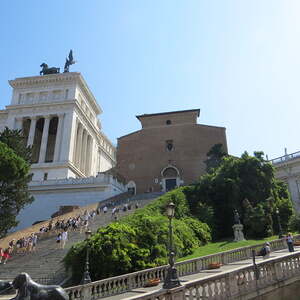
(60, 229)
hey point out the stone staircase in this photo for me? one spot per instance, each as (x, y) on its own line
(45, 264)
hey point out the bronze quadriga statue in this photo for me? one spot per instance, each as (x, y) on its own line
(30, 290)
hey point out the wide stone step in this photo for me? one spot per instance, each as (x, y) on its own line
(47, 260)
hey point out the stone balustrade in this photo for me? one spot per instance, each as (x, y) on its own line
(120, 284)
(101, 178)
(238, 284)
(285, 158)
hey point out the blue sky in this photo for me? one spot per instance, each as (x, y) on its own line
(236, 60)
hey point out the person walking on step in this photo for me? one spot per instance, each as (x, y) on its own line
(7, 254)
(290, 242)
(64, 238)
(1, 254)
(34, 241)
(58, 240)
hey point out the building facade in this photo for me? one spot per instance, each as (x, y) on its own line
(287, 169)
(59, 117)
(168, 151)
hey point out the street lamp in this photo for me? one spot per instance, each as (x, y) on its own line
(280, 234)
(86, 275)
(171, 279)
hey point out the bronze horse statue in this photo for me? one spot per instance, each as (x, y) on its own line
(46, 70)
(30, 290)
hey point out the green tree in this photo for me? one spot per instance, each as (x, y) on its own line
(14, 178)
(140, 240)
(215, 156)
(236, 179)
(15, 140)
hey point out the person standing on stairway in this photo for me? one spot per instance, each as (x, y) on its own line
(290, 242)
(64, 238)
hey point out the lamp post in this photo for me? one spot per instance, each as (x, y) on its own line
(280, 234)
(171, 279)
(86, 275)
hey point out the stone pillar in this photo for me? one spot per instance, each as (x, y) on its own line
(31, 131)
(19, 123)
(44, 141)
(79, 145)
(74, 157)
(238, 232)
(89, 156)
(83, 152)
(68, 137)
(58, 137)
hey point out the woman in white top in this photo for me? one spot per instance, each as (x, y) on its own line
(64, 238)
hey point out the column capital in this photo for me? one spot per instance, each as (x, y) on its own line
(60, 115)
(47, 117)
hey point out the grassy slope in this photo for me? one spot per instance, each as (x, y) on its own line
(224, 245)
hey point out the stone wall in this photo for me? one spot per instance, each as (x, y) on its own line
(51, 194)
(143, 155)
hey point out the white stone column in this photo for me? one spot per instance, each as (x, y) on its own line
(88, 156)
(74, 157)
(44, 141)
(19, 123)
(58, 137)
(99, 164)
(68, 137)
(31, 131)
(93, 153)
(83, 151)
(79, 145)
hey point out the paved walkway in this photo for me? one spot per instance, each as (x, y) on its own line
(203, 274)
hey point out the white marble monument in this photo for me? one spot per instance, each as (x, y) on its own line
(59, 116)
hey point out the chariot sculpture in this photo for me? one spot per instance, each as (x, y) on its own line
(53, 70)
(46, 70)
(30, 290)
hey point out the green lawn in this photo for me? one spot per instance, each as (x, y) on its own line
(212, 248)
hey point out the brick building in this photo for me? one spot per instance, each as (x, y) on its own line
(168, 151)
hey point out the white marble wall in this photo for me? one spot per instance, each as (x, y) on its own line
(289, 171)
(50, 195)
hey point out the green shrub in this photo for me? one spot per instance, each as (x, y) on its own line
(294, 224)
(140, 240)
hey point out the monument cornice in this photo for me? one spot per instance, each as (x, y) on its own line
(41, 105)
(24, 82)
(34, 81)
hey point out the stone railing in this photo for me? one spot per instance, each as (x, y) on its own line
(123, 283)
(285, 158)
(100, 179)
(242, 283)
